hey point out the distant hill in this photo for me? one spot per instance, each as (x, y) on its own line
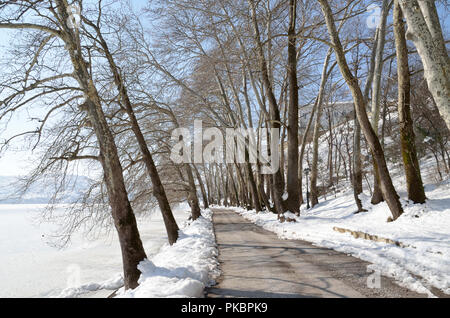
(42, 191)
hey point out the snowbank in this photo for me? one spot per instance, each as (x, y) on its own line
(425, 228)
(183, 269)
(108, 285)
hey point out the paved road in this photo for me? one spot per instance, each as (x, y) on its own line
(255, 263)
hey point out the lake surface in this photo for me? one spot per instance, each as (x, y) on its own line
(30, 267)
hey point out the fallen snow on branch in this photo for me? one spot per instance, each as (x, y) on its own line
(424, 229)
(183, 269)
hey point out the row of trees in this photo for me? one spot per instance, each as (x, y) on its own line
(106, 87)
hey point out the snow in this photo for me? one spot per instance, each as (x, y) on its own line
(29, 267)
(183, 269)
(423, 228)
(289, 215)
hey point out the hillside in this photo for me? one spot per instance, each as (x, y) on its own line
(41, 192)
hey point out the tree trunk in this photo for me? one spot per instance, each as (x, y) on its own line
(192, 193)
(235, 189)
(202, 188)
(224, 186)
(357, 164)
(389, 192)
(242, 186)
(303, 147)
(208, 185)
(315, 159)
(274, 112)
(293, 187)
(158, 188)
(425, 31)
(124, 219)
(252, 184)
(377, 196)
(416, 192)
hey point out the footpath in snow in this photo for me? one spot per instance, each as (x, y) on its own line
(424, 229)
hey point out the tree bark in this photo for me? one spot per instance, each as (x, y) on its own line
(252, 184)
(315, 158)
(425, 31)
(192, 193)
(274, 112)
(202, 188)
(414, 184)
(293, 187)
(357, 164)
(377, 196)
(387, 188)
(124, 219)
(158, 188)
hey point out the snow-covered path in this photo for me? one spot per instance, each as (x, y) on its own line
(422, 265)
(31, 268)
(256, 263)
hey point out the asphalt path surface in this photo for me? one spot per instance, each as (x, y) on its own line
(256, 263)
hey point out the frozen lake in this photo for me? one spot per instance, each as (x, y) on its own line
(29, 267)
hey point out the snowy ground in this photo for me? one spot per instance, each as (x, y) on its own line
(424, 228)
(29, 267)
(184, 269)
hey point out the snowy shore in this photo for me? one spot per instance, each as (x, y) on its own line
(88, 267)
(183, 269)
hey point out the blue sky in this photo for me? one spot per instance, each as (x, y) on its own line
(18, 163)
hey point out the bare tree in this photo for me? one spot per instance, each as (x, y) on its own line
(424, 29)
(275, 120)
(158, 189)
(122, 213)
(414, 184)
(293, 186)
(317, 126)
(388, 190)
(377, 196)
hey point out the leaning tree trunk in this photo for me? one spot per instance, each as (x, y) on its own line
(387, 188)
(274, 112)
(224, 186)
(208, 185)
(158, 188)
(425, 31)
(253, 187)
(235, 189)
(357, 164)
(242, 186)
(303, 147)
(192, 193)
(377, 196)
(202, 187)
(414, 184)
(315, 159)
(124, 219)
